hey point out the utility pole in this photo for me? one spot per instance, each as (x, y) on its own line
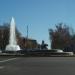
(27, 36)
(27, 31)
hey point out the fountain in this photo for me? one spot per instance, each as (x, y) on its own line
(12, 46)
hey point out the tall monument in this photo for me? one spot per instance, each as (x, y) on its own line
(12, 46)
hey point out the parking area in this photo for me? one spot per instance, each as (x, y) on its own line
(37, 66)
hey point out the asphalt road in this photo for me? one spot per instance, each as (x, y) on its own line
(37, 66)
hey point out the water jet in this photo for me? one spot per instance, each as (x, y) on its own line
(12, 46)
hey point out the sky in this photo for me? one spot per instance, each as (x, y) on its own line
(39, 15)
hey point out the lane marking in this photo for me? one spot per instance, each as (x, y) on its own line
(8, 59)
(1, 67)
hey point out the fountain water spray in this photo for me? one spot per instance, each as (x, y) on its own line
(12, 46)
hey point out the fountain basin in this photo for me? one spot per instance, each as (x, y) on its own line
(12, 48)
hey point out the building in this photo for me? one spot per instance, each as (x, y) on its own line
(28, 43)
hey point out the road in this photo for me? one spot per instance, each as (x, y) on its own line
(37, 66)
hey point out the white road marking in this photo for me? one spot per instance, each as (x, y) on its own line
(8, 60)
(1, 67)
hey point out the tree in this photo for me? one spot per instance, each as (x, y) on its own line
(21, 41)
(4, 35)
(60, 37)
